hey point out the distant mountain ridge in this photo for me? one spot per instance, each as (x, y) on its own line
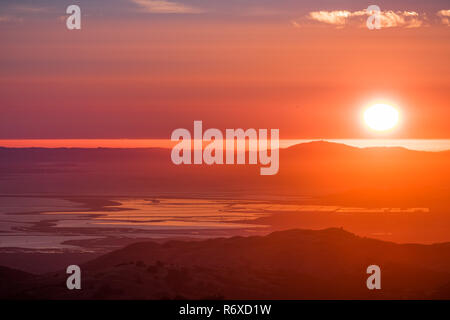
(317, 168)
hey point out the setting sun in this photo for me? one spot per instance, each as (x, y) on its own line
(381, 117)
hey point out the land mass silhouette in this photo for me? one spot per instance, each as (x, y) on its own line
(352, 176)
(287, 264)
(291, 264)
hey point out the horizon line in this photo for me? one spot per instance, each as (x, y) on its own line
(126, 143)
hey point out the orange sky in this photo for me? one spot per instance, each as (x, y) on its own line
(143, 78)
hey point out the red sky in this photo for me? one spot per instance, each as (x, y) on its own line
(143, 78)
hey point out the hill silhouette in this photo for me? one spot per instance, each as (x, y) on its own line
(292, 264)
(381, 176)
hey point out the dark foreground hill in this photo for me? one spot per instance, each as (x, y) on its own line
(294, 264)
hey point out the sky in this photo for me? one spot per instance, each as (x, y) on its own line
(142, 68)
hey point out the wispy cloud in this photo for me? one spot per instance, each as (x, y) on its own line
(445, 17)
(337, 17)
(406, 19)
(6, 19)
(18, 13)
(163, 6)
(388, 19)
(296, 24)
(29, 9)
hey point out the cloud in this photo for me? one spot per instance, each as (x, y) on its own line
(296, 24)
(6, 19)
(164, 6)
(406, 19)
(445, 17)
(337, 17)
(388, 19)
(29, 9)
(444, 13)
(17, 13)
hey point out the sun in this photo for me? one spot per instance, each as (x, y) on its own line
(381, 117)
